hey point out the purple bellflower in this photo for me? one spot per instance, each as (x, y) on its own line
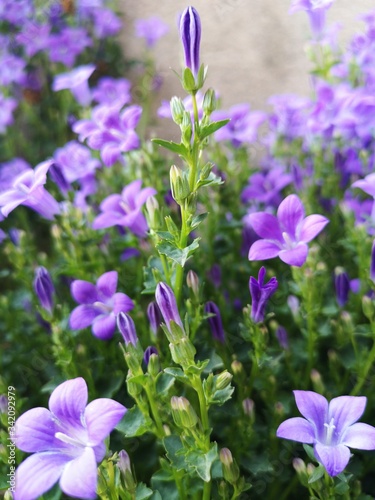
(214, 321)
(286, 235)
(125, 209)
(110, 131)
(282, 337)
(65, 46)
(151, 29)
(330, 427)
(75, 162)
(316, 10)
(34, 37)
(12, 69)
(126, 326)
(114, 92)
(166, 301)
(67, 442)
(27, 189)
(154, 317)
(77, 82)
(99, 305)
(44, 288)
(190, 33)
(7, 106)
(342, 287)
(260, 294)
(106, 23)
(368, 186)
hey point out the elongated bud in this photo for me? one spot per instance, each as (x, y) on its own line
(372, 264)
(230, 468)
(3, 403)
(154, 317)
(209, 102)
(153, 212)
(186, 128)
(127, 328)
(167, 304)
(123, 464)
(368, 307)
(215, 322)
(282, 337)
(299, 466)
(44, 288)
(223, 380)
(183, 413)
(342, 286)
(190, 33)
(179, 184)
(317, 381)
(248, 408)
(177, 110)
(192, 282)
(183, 352)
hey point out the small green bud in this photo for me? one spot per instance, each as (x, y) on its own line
(153, 212)
(183, 352)
(317, 381)
(209, 102)
(183, 413)
(237, 367)
(153, 366)
(177, 110)
(248, 408)
(205, 172)
(8, 495)
(192, 281)
(186, 128)
(134, 389)
(279, 409)
(299, 466)
(310, 469)
(179, 184)
(230, 468)
(123, 464)
(368, 307)
(223, 380)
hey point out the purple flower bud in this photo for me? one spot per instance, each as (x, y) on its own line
(154, 317)
(190, 33)
(3, 403)
(148, 352)
(123, 462)
(215, 322)
(127, 328)
(167, 304)
(282, 337)
(342, 286)
(44, 288)
(260, 294)
(372, 265)
(214, 274)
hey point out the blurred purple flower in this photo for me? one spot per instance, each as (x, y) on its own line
(282, 337)
(125, 209)
(215, 322)
(7, 106)
(372, 262)
(110, 131)
(342, 287)
(75, 161)
(44, 288)
(266, 187)
(151, 29)
(285, 236)
(99, 305)
(106, 23)
(316, 10)
(129, 253)
(12, 69)
(65, 46)
(214, 275)
(34, 37)
(27, 189)
(77, 82)
(330, 427)
(260, 294)
(114, 92)
(190, 33)
(67, 442)
(16, 12)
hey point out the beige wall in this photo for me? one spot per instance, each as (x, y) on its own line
(253, 48)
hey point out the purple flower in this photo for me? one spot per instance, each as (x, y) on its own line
(110, 131)
(331, 428)
(65, 46)
(282, 337)
(75, 161)
(16, 12)
(99, 305)
(214, 321)
(27, 189)
(114, 92)
(265, 187)
(77, 82)
(33, 37)
(260, 294)
(154, 317)
(190, 33)
(12, 69)
(166, 301)
(67, 442)
(316, 10)
(7, 106)
(44, 288)
(368, 186)
(286, 235)
(151, 29)
(342, 287)
(126, 326)
(106, 23)
(125, 209)
(372, 263)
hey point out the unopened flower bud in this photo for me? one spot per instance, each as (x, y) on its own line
(183, 413)
(190, 33)
(186, 128)
(154, 317)
(3, 403)
(214, 321)
(44, 288)
(177, 110)
(342, 286)
(192, 281)
(282, 337)
(317, 381)
(127, 328)
(153, 212)
(237, 367)
(183, 352)
(230, 468)
(248, 408)
(166, 301)
(299, 466)
(179, 184)
(310, 469)
(125, 469)
(368, 307)
(223, 380)
(209, 102)
(372, 262)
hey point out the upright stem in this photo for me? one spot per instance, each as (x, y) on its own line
(183, 242)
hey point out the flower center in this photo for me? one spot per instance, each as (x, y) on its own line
(330, 428)
(23, 188)
(288, 241)
(103, 307)
(69, 440)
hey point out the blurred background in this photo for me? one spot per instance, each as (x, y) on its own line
(253, 48)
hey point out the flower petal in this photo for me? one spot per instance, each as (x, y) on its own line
(37, 474)
(79, 477)
(110, 153)
(122, 303)
(35, 430)
(311, 227)
(263, 250)
(334, 458)
(345, 410)
(107, 283)
(101, 416)
(68, 401)
(290, 213)
(104, 327)
(296, 429)
(314, 408)
(360, 436)
(83, 292)
(295, 256)
(265, 225)
(83, 316)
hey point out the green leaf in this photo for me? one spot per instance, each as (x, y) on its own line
(211, 180)
(211, 128)
(221, 396)
(202, 462)
(164, 382)
(166, 235)
(156, 496)
(197, 220)
(177, 373)
(151, 272)
(178, 255)
(174, 447)
(341, 488)
(163, 482)
(310, 452)
(142, 492)
(135, 423)
(188, 80)
(180, 149)
(139, 379)
(317, 474)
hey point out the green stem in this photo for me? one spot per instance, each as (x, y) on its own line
(183, 242)
(206, 491)
(197, 384)
(367, 367)
(154, 411)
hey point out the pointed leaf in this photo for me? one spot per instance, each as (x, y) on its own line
(135, 423)
(180, 149)
(211, 128)
(202, 462)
